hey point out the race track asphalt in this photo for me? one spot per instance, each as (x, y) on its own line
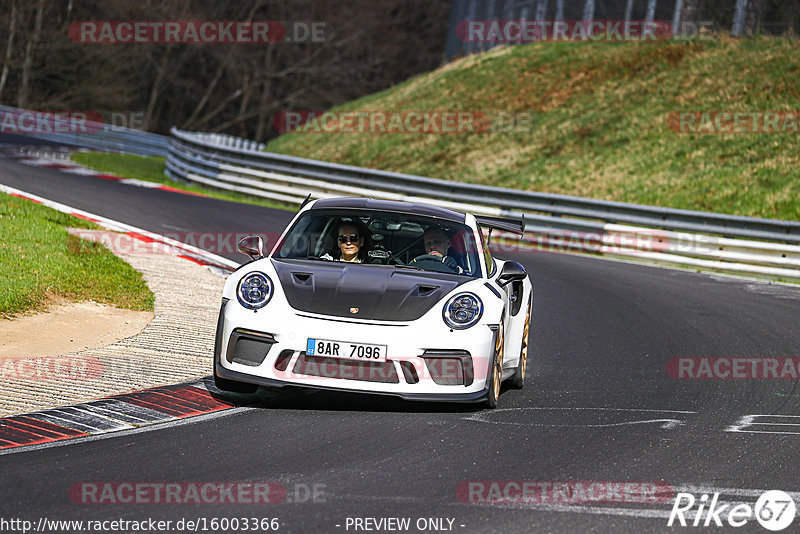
(598, 405)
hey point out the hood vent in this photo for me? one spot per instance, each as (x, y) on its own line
(423, 289)
(303, 279)
(379, 291)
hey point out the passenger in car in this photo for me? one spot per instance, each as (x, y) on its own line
(351, 242)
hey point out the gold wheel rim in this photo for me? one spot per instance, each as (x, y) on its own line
(498, 363)
(525, 333)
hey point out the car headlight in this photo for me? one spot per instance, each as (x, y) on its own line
(462, 311)
(254, 290)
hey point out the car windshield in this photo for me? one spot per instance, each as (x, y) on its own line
(383, 238)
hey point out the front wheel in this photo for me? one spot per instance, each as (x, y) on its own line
(496, 377)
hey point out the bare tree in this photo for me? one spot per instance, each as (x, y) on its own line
(541, 10)
(752, 23)
(687, 15)
(472, 14)
(628, 10)
(30, 49)
(676, 17)
(747, 17)
(224, 64)
(9, 46)
(651, 10)
(508, 9)
(691, 10)
(559, 10)
(161, 64)
(588, 11)
(738, 17)
(221, 87)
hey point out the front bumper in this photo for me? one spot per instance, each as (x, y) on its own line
(425, 359)
(437, 397)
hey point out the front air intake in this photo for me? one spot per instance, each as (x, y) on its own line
(449, 367)
(282, 361)
(339, 368)
(409, 372)
(248, 347)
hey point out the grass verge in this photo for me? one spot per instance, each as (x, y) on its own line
(39, 259)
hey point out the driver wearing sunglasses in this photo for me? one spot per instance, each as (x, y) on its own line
(350, 242)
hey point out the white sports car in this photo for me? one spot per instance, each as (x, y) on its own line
(377, 296)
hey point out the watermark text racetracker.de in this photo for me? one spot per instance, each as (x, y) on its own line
(501, 31)
(51, 368)
(734, 122)
(420, 121)
(84, 241)
(198, 493)
(732, 368)
(196, 31)
(563, 492)
(68, 121)
(29, 122)
(72, 367)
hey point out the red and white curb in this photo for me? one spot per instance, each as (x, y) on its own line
(182, 250)
(128, 411)
(59, 160)
(125, 412)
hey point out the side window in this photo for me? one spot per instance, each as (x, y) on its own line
(487, 256)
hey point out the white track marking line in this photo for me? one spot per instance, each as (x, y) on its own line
(666, 423)
(122, 227)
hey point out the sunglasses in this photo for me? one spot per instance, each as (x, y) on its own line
(352, 238)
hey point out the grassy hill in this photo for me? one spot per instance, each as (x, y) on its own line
(599, 125)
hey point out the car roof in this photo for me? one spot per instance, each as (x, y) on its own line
(372, 204)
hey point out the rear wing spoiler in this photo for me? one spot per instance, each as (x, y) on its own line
(515, 225)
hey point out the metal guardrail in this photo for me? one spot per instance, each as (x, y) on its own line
(553, 222)
(670, 236)
(208, 151)
(99, 136)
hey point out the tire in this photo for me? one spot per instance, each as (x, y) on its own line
(493, 395)
(233, 386)
(518, 379)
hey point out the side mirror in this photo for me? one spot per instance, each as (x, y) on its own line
(512, 272)
(252, 246)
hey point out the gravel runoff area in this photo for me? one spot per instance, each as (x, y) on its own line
(177, 345)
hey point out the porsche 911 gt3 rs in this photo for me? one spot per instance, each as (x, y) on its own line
(377, 296)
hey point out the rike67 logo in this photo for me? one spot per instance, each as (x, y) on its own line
(774, 510)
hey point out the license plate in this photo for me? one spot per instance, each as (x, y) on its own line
(367, 352)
